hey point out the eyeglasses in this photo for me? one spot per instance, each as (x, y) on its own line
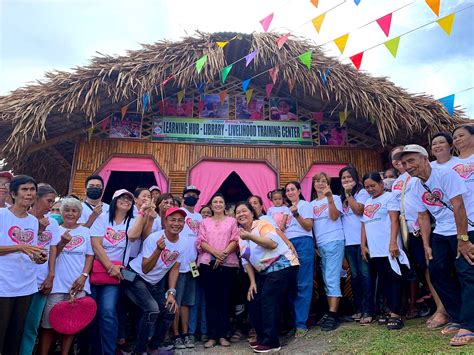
(5, 185)
(125, 198)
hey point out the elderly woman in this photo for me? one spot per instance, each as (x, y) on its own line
(267, 260)
(218, 263)
(19, 251)
(48, 237)
(74, 257)
(112, 234)
(463, 140)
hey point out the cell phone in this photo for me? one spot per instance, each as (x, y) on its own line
(128, 275)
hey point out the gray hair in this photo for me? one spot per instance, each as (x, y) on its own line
(45, 189)
(70, 202)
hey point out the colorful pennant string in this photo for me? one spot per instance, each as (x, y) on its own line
(265, 22)
(248, 95)
(281, 40)
(341, 42)
(392, 45)
(90, 131)
(314, 2)
(384, 23)
(357, 59)
(357, 2)
(268, 89)
(448, 103)
(245, 85)
(305, 58)
(104, 124)
(200, 63)
(249, 57)
(434, 5)
(226, 72)
(222, 44)
(222, 96)
(146, 98)
(273, 74)
(180, 96)
(446, 23)
(342, 118)
(318, 21)
(124, 110)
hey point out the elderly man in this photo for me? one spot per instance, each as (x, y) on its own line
(444, 194)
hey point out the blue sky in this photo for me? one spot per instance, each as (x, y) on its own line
(41, 35)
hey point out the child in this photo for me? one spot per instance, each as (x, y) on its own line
(279, 212)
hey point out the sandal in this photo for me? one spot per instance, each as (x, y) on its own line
(382, 320)
(236, 337)
(434, 323)
(210, 344)
(461, 339)
(357, 317)
(451, 328)
(366, 320)
(394, 323)
(224, 342)
(300, 333)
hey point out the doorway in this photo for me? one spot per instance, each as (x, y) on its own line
(129, 180)
(234, 189)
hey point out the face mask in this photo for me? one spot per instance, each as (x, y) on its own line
(57, 217)
(190, 201)
(94, 193)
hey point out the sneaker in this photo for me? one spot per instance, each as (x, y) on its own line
(330, 323)
(266, 349)
(189, 341)
(178, 343)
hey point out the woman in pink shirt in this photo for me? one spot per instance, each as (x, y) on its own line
(217, 244)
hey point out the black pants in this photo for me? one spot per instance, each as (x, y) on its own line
(13, 312)
(217, 284)
(390, 284)
(453, 279)
(265, 307)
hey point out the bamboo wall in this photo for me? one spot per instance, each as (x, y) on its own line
(175, 159)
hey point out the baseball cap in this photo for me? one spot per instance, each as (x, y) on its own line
(192, 188)
(411, 148)
(154, 187)
(6, 174)
(172, 210)
(122, 192)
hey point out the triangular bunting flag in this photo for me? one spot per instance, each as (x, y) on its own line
(342, 118)
(357, 59)
(222, 96)
(434, 5)
(180, 96)
(448, 102)
(273, 74)
(222, 44)
(446, 23)
(200, 63)
(291, 84)
(124, 110)
(90, 131)
(248, 95)
(200, 106)
(314, 2)
(265, 22)
(305, 58)
(245, 85)
(392, 45)
(146, 98)
(341, 42)
(281, 41)
(384, 23)
(226, 72)
(104, 124)
(318, 116)
(357, 2)
(318, 21)
(249, 57)
(268, 89)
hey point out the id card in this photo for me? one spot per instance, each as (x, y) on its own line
(194, 269)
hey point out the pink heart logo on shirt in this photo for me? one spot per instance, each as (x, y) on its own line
(168, 257)
(75, 242)
(432, 199)
(44, 238)
(193, 225)
(20, 236)
(398, 185)
(317, 210)
(114, 237)
(289, 220)
(370, 210)
(464, 170)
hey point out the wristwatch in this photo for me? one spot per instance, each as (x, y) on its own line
(171, 291)
(85, 274)
(463, 237)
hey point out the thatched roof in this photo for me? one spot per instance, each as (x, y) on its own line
(68, 102)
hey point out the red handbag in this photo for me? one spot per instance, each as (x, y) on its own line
(100, 276)
(70, 317)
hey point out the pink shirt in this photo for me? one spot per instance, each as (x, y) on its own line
(218, 234)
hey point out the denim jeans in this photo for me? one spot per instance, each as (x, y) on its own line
(33, 319)
(105, 327)
(332, 256)
(361, 281)
(304, 280)
(198, 311)
(453, 279)
(155, 318)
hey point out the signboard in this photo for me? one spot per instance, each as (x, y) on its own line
(231, 131)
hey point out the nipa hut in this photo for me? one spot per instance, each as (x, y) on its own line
(151, 118)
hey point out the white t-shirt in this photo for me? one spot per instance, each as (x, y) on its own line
(70, 263)
(173, 253)
(325, 229)
(351, 221)
(17, 270)
(448, 164)
(268, 219)
(378, 224)
(49, 237)
(410, 200)
(156, 227)
(189, 235)
(278, 213)
(86, 212)
(114, 237)
(293, 227)
(445, 184)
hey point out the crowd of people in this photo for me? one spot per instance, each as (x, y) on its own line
(162, 272)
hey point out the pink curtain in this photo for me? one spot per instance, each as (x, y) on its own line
(208, 176)
(134, 164)
(331, 169)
